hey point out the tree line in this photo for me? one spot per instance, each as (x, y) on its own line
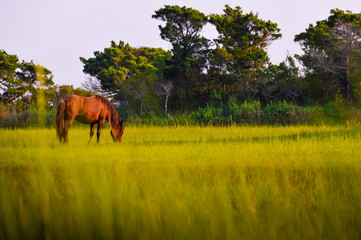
(20, 82)
(233, 67)
(199, 73)
(26, 89)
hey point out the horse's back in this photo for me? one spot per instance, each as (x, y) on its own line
(74, 102)
(84, 109)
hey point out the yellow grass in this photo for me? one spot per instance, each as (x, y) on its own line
(182, 183)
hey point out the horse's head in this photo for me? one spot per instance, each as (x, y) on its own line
(117, 137)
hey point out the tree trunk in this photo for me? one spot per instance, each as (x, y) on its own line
(348, 80)
(166, 103)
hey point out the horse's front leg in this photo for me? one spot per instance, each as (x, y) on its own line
(92, 125)
(100, 125)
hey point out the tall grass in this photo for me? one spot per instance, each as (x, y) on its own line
(182, 183)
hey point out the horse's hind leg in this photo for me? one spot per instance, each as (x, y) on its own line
(65, 137)
(92, 125)
(66, 130)
(61, 136)
(100, 125)
(63, 133)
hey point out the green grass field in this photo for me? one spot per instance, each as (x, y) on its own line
(182, 183)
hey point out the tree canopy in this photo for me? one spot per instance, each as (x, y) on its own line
(129, 74)
(243, 38)
(17, 78)
(331, 52)
(225, 76)
(235, 65)
(120, 62)
(190, 50)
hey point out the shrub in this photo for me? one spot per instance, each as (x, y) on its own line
(28, 118)
(208, 115)
(50, 118)
(336, 112)
(11, 119)
(248, 112)
(4, 111)
(285, 113)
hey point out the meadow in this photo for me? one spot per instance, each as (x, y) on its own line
(295, 182)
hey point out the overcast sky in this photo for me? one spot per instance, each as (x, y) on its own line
(55, 33)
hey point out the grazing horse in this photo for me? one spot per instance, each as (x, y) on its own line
(89, 110)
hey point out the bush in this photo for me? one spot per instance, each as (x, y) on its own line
(248, 112)
(208, 115)
(285, 113)
(10, 120)
(336, 112)
(25, 119)
(28, 118)
(50, 118)
(4, 111)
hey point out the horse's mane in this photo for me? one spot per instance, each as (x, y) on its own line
(114, 117)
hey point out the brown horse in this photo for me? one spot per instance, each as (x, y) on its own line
(91, 110)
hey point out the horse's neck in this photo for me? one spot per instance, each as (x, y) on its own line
(114, 128)
(114, 125)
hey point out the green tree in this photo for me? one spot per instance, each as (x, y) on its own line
(190, 49)
(18, 78)
(240, 52)
(62, 91)
(119, 62)
(355, 70)
(243, 38)
(329, 49)
(281, 82)
(138, 93)
(128, 74)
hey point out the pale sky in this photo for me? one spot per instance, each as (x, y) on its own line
(55, 33)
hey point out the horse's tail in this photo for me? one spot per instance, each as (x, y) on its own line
(60, 119)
